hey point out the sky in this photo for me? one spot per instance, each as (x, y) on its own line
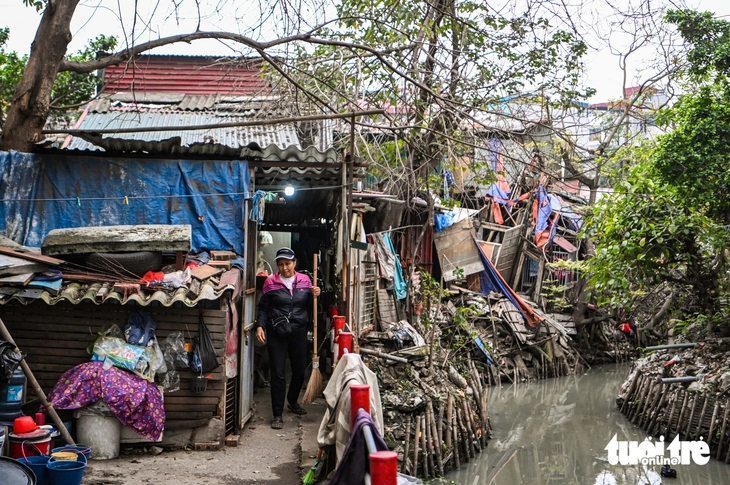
(94, 17)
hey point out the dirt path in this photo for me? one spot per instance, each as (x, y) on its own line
(263, 456)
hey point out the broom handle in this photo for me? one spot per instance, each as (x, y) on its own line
(315, 306)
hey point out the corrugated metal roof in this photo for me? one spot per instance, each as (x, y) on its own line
(283, 135)
(76, 293)
(187, 75)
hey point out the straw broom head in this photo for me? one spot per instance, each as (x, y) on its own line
(314, 387)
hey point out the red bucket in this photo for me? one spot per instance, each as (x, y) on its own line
(35, 443)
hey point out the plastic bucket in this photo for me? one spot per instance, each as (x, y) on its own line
(79, 450)
(65, 472)
(20, 449)
(38, 465)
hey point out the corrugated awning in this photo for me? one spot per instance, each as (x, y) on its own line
(76, 293)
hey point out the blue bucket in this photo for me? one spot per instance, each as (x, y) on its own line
(65, 472)
(38, 465)
(81, 450)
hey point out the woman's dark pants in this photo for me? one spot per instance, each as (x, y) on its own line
(295, 345)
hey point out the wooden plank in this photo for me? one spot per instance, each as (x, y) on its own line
(456, 249)
(508, 251)
(30, 256)
(206, 271)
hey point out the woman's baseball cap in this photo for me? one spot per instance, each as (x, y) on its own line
(285, 253)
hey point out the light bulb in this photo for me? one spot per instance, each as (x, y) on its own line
(289, 191)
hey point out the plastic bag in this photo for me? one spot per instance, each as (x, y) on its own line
(9, 360)
(116, 352)
(204, 347)
(174, 351)
(171, 381)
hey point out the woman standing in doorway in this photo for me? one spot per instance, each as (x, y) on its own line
(282, 322)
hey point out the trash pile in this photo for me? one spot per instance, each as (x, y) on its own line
(683, 389)
(434, 373)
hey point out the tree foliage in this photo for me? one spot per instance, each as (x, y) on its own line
(443, 70)
(647, 236)
(665, 224)
(69, 88)
(695, 156)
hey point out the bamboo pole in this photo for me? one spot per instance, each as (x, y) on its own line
(723, 437)
(641, 396)
(404, 465)
(653, 422)
(5, 334)
(425, 448)
(415, 446)
(712, 423)
(462, 434)
(681, 414)
(671, 414)
(691, 416)
(429, 444)
(449, 416)
(440, 422)
(455, 433)
(630, 390)
(436, 440)
(652, 400)
(702, 418)
(472, 425)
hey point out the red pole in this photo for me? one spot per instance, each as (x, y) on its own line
(338, 324)
(384, 468)
(344, 341)
(359, 398)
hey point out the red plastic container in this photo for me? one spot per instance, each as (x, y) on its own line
(29, 444)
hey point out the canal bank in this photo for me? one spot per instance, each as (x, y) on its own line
(555, 431)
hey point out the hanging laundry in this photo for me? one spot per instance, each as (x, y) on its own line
(390, 267)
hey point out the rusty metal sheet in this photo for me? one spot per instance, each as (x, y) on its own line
(456, 249)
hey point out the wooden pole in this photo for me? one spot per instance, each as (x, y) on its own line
(424, 446)
(723, 437)
(415, 446)
(38, 390)
(406, 445)
(348, 228)
(455, 433)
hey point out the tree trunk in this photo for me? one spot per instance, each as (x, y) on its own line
(30, 107)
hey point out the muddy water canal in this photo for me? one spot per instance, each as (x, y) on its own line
(555, 432)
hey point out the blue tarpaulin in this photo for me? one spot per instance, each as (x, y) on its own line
(491, 280)
(42, 192)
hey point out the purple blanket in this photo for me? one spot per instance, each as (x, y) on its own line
(136, 402)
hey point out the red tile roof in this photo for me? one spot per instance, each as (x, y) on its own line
(187, 75)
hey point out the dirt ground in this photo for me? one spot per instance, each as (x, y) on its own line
(263, 456)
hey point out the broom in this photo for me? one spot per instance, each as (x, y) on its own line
(314, 387)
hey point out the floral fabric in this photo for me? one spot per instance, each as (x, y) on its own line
(133, 400)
